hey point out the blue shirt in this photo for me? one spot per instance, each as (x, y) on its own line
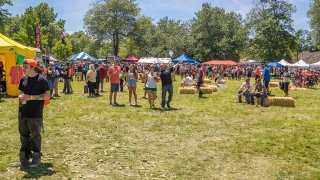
(266, 74)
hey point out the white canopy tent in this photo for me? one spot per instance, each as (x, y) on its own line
(152, 60)
(250, 62)
(317, 64)
(300, 64)
(284, 62)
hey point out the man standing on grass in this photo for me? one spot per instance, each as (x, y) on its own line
(114, 74)
(35, 89)
(266, 78)
(199, 78)
(166, 80)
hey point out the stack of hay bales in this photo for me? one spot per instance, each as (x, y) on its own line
(222, 81)
(274, 84)
(282, 101)
(187, 90)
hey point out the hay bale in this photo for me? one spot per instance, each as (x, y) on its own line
(274, 84)
(282, 101)
(267, 101)
(222, 81)
(187, 90)
(214, 88)
(206, 90)
(207, 81)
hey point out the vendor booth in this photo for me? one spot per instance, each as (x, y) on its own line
(12, 55)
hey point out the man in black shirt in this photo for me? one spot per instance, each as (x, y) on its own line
(166, 80)
(34, 89)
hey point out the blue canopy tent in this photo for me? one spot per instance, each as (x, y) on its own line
(185, 59)
(275, 64)
(82, 56)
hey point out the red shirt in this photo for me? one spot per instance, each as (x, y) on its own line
(114, 71)
(103, 72)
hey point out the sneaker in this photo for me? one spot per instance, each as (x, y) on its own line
(24, 159)
(162, 106)
(36, 159)
(115, 104)
(168, 105)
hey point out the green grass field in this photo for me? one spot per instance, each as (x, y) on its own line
(207, 138)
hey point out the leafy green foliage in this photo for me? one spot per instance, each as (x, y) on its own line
(4, 14)
(62, 50)
(270, 25)
(217, 34)
(111, 20)
(315, 22)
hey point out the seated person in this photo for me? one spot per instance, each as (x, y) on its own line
(260, 91)
(245, 90)
(187, 81)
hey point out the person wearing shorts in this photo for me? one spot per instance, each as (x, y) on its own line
(151, 86)
(114, 75)
(131, 78)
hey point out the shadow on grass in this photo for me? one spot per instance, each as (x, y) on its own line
(164, 109)
(44, 169)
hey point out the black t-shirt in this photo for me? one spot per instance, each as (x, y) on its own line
(33, 86)
(166, 76)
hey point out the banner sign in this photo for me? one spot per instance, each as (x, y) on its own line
(37, 36)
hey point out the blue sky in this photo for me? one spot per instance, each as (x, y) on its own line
(73, 10)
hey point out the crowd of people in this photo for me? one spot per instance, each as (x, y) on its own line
(40, 83)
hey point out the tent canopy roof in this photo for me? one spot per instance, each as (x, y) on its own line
(275, 64)
(132, 58)
(82, 56)
(284, 62)
(9, 45)
(300, 63)
(222, 62)
(317, 64)
(184, 58)
(151, 60)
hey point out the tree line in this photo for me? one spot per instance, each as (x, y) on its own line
(118, 27)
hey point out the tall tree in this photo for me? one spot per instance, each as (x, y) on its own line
(270, 25)
(111, 20)
(4, 14)
(79, 40)
(315, 22)
(217, 34)
(62, 50)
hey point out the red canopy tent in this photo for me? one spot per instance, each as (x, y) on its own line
(132, 58)
(221, 62)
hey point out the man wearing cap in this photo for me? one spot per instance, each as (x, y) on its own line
(245, 90)
(34, 89)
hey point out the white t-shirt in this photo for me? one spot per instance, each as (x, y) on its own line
(188, 81)
(151, 83)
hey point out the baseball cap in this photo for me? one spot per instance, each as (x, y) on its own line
(31, 62)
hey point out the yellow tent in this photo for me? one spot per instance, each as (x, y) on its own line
(8, 55)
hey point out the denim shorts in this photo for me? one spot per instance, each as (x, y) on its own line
(114, 87)
(132, 83)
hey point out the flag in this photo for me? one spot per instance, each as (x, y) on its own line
(170, 53)
(20, 59)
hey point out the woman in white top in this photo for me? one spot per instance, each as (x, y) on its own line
(132, 77)
(151, 85)
(91, 77)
